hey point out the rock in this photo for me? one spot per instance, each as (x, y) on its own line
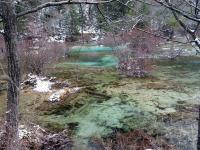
(55, 97)
(31, 81)
(58, 95)
(52, 79)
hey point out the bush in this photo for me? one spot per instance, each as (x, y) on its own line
(134, 60)
(36, 55)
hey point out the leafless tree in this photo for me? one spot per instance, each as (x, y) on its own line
(187, 14)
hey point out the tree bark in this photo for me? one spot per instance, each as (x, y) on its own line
(10, 36)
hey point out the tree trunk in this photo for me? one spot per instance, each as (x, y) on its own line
(10, 36)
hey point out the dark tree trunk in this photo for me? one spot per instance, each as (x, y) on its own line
(10, 36)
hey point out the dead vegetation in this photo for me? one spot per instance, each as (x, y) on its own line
(33, 137)
(134, 140)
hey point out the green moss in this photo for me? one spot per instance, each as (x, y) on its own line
(100, 119)
(86, 76)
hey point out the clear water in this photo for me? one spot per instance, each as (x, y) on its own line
(135, 103)
(90, 49)
(92, 56)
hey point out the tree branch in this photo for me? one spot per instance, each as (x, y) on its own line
(171, 7)
(191, 5)
(69, 2)
(192, 33)
(160, 36)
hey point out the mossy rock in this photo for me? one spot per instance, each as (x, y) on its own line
(60, 107)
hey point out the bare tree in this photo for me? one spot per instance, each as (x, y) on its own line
(187, 14)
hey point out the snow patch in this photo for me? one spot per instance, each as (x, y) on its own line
(59, 39)
(74, 90)
(95, 38)
(192, 30)
(32, 131)
(55, 97)
(23, 132)
(197, 40)
(43, 85)
(2, 31)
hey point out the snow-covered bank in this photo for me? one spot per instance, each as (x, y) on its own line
(43, 85)
(39, 83)
(49, 85)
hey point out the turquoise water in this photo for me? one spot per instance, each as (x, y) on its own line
(92, 56)
(90, 49)
(106, 61)
(134, 103)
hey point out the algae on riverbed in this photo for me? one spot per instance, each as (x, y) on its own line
(134, 103)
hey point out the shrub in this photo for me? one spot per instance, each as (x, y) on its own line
(135, 59)
(35, 56)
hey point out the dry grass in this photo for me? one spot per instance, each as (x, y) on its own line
(135, 140)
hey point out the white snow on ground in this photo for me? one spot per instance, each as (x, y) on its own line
(56, 39)
(43, 85)
(55, 97)
(74, 90)
(23, 132)
(2, 31)
(95, 38)
(90, 30)
(197, 40)
(33, 132)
